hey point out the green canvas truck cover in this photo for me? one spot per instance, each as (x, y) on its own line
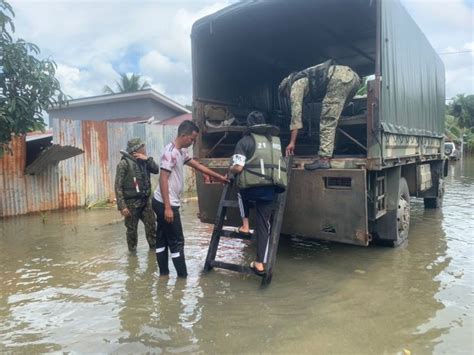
(413, 84)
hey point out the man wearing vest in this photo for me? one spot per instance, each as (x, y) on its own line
(133, 190)
(261, 170)
(332, 84)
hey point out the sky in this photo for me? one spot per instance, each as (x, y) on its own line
(93, 41)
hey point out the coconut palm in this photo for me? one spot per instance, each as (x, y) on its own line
(128, 84)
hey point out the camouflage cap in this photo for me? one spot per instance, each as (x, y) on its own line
(134, 144)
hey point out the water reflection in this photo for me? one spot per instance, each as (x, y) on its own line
(70, 285)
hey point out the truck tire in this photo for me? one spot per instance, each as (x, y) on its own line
(403, 212)
(392, 229)
(435, 202)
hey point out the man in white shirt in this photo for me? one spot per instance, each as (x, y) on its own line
(167, 198)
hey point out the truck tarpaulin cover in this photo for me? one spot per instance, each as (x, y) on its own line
(412, 77)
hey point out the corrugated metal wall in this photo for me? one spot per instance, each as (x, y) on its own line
(83, 179)
(19, 193)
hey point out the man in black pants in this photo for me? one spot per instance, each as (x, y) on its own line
(261, 170)
(167, 198)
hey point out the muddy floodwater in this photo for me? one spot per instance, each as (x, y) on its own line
(69, 285)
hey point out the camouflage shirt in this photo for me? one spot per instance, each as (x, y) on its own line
(122, 172)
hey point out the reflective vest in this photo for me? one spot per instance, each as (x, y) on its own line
(266, 167)
(318, 79)
(136, 183)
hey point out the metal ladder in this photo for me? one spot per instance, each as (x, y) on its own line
(218, 232)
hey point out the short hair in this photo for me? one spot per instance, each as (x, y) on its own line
(187, 127)
(255, 118)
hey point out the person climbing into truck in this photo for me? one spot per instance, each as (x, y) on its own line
(133, 190)
(332, 84)
(261, 172)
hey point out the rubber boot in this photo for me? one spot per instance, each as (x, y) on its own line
(180, 265)
(162, 259)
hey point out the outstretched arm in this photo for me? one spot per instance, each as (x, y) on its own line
(205, 170)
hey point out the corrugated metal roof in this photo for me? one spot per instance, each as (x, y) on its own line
(50, 156)
(148, 93)
(33, 136)
(175, 121)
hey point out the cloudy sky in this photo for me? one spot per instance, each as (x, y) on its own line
(92, 41)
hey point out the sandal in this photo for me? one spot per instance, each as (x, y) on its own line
(243, 233)
(255, 270)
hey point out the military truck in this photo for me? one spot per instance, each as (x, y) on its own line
(389, 142)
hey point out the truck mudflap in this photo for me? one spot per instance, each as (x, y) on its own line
(323, 204)
(329, 205)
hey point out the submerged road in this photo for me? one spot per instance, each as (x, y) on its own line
(69, 284)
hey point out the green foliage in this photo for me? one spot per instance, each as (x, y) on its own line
(455, 132)
(128, 84)
(28, 85)
(363, 88)
(462, 107)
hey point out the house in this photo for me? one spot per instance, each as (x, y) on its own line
(74, 163)
(144, 104)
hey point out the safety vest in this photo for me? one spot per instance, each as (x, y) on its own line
(318, 79)
(266, 167)
(136, 183)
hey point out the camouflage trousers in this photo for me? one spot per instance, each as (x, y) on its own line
(147, 216)
(342, 86)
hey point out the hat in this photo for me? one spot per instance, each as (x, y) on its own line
(255, 118)
(134, 144)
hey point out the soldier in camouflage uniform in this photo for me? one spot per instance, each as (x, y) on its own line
(334, 85)
(133, 190)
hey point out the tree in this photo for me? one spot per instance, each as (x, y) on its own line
(128, 84)
(462, 107)
(28, 85)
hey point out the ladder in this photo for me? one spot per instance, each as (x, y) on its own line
(218, 232)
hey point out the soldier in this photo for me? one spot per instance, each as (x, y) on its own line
(133, 190)
(334, 85)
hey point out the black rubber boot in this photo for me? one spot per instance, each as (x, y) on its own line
(321, 163)
(180, 265)
(162, 259)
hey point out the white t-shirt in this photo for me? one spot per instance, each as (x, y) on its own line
(173, 160)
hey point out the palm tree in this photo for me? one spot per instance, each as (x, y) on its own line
(128, 84)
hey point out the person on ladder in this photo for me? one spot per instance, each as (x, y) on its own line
(260, 172)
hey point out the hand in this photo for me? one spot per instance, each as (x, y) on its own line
(125, 212)
(223, 179)
(140, 156)
(290, 149)
(169, 215)
(207, 178)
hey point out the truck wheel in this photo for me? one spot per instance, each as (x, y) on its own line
(392, 229)
(403, 213)
(435, 202)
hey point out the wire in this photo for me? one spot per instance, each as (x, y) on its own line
(471, 51)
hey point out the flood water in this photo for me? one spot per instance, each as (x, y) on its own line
(70, 285)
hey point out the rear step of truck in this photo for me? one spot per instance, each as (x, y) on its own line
(219, 231)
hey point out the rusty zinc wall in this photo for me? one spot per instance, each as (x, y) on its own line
(81, 180)
(19, 193)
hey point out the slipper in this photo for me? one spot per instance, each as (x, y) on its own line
(255, 270)
(243, 233)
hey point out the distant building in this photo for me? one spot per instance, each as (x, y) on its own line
(73, 164)
(144, 104)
